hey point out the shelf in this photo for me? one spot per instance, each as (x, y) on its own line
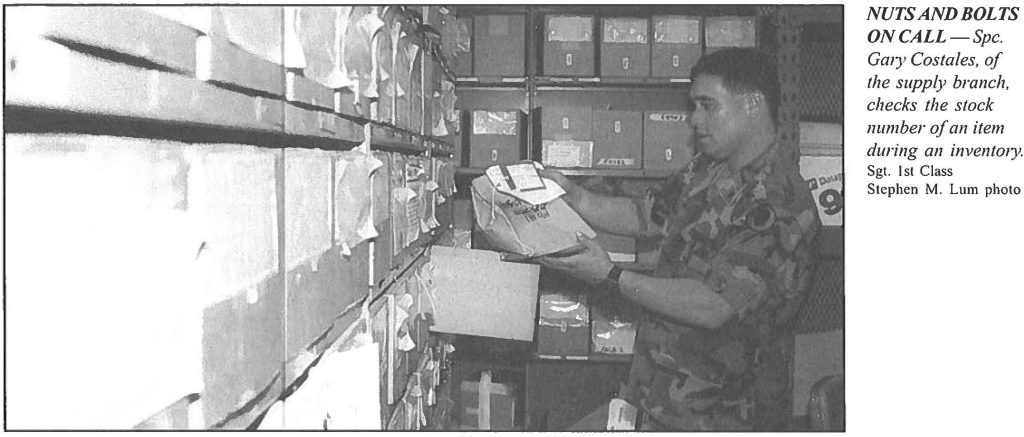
(559, 83)
(594, 358)
(612, 173)
(391, 138)
(492, 82)
(601, 172)
(47, 76)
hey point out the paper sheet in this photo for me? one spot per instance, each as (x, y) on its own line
(353, 215)
(550, 191)
(413, 213)
(354, 378)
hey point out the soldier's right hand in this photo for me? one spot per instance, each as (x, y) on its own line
(569, 186)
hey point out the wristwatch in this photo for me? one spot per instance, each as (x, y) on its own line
(613, 276)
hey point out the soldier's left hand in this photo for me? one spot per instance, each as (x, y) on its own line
(591, 265)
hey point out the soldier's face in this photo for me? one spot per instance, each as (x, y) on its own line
(720, 119)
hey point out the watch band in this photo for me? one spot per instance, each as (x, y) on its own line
(613, 275)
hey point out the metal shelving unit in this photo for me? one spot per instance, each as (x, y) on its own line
(537, 90)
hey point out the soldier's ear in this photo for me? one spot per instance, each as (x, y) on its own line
(753, 101)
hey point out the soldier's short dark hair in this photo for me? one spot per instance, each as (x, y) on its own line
(743, 70)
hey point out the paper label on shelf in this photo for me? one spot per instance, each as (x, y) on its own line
(568, 153)
(669, 117)
(617, 162)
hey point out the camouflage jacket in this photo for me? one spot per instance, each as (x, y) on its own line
(747, 237)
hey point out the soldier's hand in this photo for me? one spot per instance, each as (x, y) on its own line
(591, 265)
(569, 186)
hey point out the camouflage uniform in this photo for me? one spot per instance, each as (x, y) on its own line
(745, 236)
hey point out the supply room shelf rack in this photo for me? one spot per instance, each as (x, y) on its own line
(535, 90)
(141, 75)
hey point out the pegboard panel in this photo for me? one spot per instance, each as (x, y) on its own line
(781, 26)
(821, 72)
(824, 309)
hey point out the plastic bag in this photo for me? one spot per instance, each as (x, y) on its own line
(520, 228)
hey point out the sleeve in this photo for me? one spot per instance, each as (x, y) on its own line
(655, 206)
(769, 269)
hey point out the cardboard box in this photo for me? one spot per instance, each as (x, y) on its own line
(500, 45)
(723, 32)
(566, 123)
(568, 45)
(625, 47)
(618, 139)
(676, 46)
(620, 249)
(495, 137)
(611, 334)
(563, 326)
(497, 413)
(668, 140)
(484, 297)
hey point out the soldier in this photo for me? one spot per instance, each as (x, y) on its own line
(735, 226)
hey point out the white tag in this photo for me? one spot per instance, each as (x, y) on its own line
(621, 416)
(625, 63)
(618, 126)
(668, 154)
(568, 59)
(675, 61)
(405, 344)
(565, 122)
(618, 162)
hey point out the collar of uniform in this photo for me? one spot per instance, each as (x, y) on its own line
(761, 166)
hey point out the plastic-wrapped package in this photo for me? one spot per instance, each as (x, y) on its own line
(625, 30)
(384, 63)
(518, 227)
(564, 28)
(448, 99)
(321, 31)
(730, 32)
(611, 333)
(399, 200)
(257, 30)
(495, 122)
(354, 217)
(456, 43)
(677, 30)
(358, 54)
(415, 56)
(563, 325)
